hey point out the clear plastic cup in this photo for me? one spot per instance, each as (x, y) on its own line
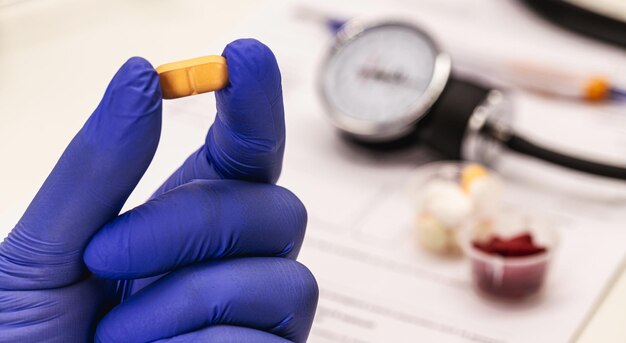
(433, 233)
(512, 277)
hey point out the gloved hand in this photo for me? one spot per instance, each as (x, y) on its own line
(227, 244)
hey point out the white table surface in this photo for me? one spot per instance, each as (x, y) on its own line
(56, 58)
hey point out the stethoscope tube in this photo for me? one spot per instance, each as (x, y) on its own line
(447, 125)
(508, 138)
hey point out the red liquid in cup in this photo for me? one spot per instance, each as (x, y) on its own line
(510, 268)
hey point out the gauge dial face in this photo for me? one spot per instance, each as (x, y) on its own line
(382, 75)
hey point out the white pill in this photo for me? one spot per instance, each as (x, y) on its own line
(486, 192)
(432, 234)
(447, 203)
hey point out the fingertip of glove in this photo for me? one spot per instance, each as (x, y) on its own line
(103, 333)
(94, 259)
(135, 90)
(309, 283)
(250, 60)
(100, 256)
(127, 122)
(137, 64)
(256, 55)
(297, 209)
(138, 70)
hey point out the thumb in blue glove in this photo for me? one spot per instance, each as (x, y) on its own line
(46, 293)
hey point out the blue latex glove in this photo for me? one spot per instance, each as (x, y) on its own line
(228, 246)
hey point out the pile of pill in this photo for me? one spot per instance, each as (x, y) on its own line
(449, 204)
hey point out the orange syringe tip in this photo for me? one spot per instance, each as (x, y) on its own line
(194, 76)
(597, 89)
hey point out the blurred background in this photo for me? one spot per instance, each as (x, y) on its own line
(57, 56)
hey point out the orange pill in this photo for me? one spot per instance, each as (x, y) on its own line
(470, 174)
(194, 76)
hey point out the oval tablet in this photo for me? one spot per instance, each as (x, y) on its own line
(194, 76)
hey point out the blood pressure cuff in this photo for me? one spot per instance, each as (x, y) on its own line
(443, 128)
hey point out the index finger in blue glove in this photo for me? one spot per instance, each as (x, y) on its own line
(247, 139)
(88, 186)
